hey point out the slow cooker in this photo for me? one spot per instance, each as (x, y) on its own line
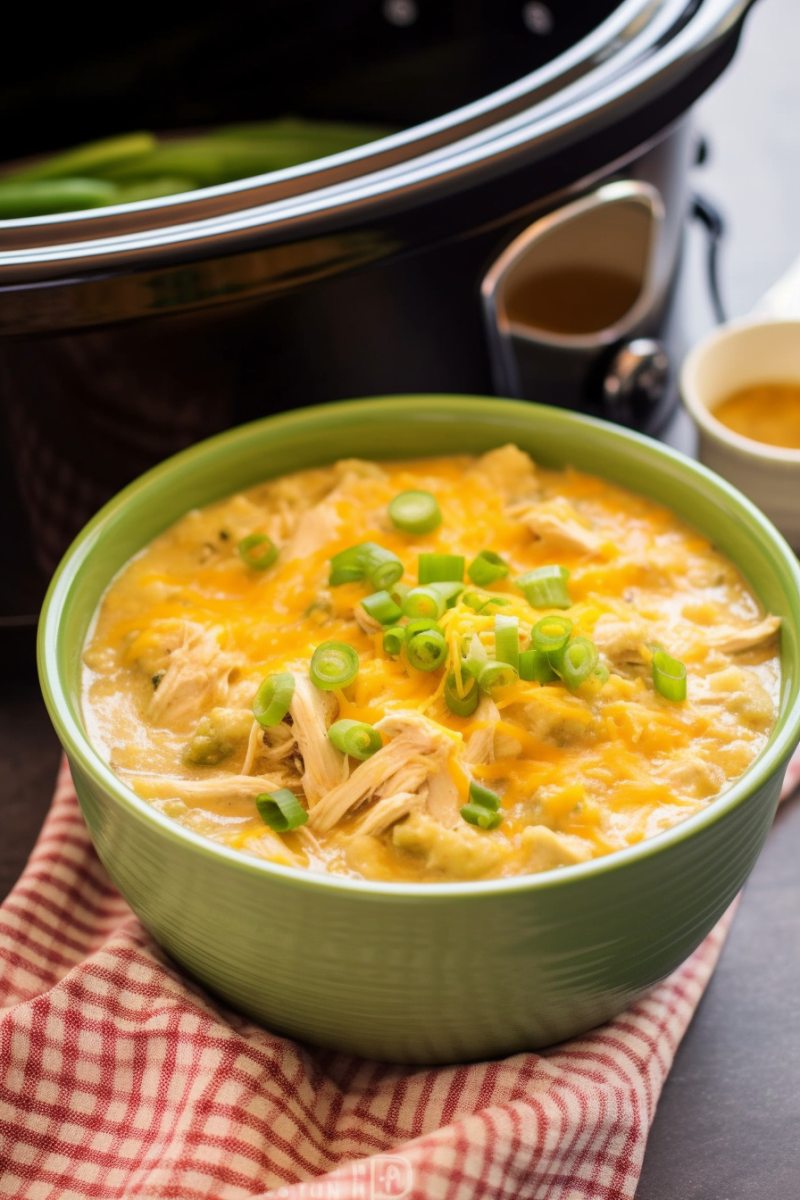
(520, 233)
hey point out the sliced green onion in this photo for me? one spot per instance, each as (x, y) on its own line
(281, 810)
(474, 600)
(575, 661)
(420, 623)
(496, 674)
(382, 568)
(481, 602)
(484, 818)
(348, 566)
(440, 568)
(366, 560)
(535, 667)
(381, 607)
(415, 512)
(475, 658)
(424, 602)
(487, 568)
(333, 665)
(448, 591)
(545, 587)
(398, 592)
(393, 639)
(669, 676)
(601, 673)
(506, 640)
(273, 699)
(427, 649)
(258, 551)
(551, 633)
(483, 796)
(356, 738)
(461, 706)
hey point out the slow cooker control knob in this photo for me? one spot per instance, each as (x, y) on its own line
(636, 382)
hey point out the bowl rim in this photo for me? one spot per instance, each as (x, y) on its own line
(75, 739)
(731, 331)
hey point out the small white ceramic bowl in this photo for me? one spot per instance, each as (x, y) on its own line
(742, 353)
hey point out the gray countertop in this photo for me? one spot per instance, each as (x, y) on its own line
(727, 1124)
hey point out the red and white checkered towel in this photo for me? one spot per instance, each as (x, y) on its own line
(120, 1078)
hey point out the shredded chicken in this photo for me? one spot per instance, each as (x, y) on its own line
(444, 803)
(195, 677)
(623, 643)
(480, 747)
(269, 747)
(544, 849)
(510, 472)
(348, 469)
(417, 750)
(731, 640)
(391, 809)
(218, 787)
(315, 529)
(694, 776)
(312, 711)
(557, 521)
(738, 693)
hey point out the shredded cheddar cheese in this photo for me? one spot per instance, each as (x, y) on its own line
(187, 632)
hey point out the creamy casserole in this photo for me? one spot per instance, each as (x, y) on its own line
(445, 669)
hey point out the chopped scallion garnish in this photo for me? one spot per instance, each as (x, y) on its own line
(441, 568)
(415, 512)
(258, 551)
(424, 602)
(545, 587)
(382, 568)
(535, 667)
(333, 665)
(369, 561)
(356, 738)
(551, 633)
(487, 568)
(479, 794)
(281, 810)
(382, 608)
(448, 591)
(426, 649)
(348, 566)
(669, 676)
(484, 818)
(480, 601)
(497, 674)
(575, 661)
(393, 640)
(273, 699)
(461, 706)
(506, 640)
(475, 658)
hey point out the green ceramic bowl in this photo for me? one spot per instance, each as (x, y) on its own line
(424, 972)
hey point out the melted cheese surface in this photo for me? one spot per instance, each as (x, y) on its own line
(187, 631)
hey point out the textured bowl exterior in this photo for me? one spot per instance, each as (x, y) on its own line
(421, 973)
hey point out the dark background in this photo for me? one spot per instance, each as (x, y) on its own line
(728, 1122)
